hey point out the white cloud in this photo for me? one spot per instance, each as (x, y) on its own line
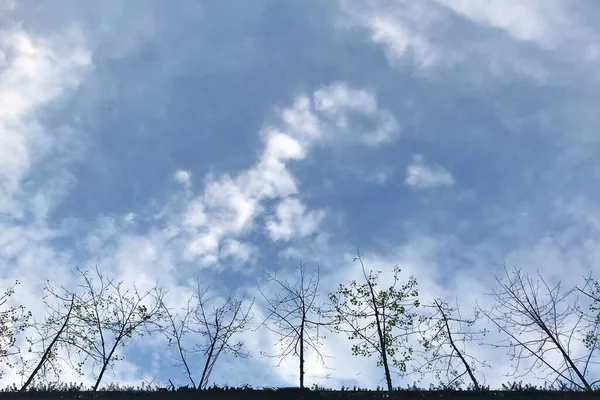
(400, 41)
(540, 22)
(338, 98)
(238, 251)
(301, 119)
(35, 72)
(230, 204)
(130, 217)
(293, 220)
(420, 175)
(195, 215)
(182, 177)
(427, 36)
(400, 27)
(338, 102)
(282, 147)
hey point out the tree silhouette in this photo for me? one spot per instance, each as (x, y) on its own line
(444, 346)
(48, 352)
(103, 318)
(374, 316)
(295, 316)
(591, 318)
(537, 327)
(217, 326)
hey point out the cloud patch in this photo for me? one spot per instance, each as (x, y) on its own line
(293, 220)
(230, 205)
(35, 71)
(422, 175)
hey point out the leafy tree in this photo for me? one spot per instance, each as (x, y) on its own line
(103, 318)
(295, 316)
(12, 321)
(380, 320)
(48, 354)
(591, 318)
(216, 326)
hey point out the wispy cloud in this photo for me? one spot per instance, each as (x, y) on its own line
(420, 175)
(293, 220)
(35, 71)
(230, 205)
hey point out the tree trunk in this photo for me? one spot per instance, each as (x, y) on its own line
(464, 361)
(386, 367)
(382, 345)
(105, 364)
(567, 358)
(202, 382)
(302, 354)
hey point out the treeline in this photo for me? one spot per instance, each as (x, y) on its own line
(541, 325)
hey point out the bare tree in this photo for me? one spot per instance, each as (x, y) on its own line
(12, 321)
(537, 327)
(103, 318)
(294, 315)
(216, 326)
(374, 316)
(444, 346)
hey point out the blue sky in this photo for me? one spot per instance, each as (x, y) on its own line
(170, 141)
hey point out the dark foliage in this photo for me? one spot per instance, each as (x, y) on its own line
(514, 390)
